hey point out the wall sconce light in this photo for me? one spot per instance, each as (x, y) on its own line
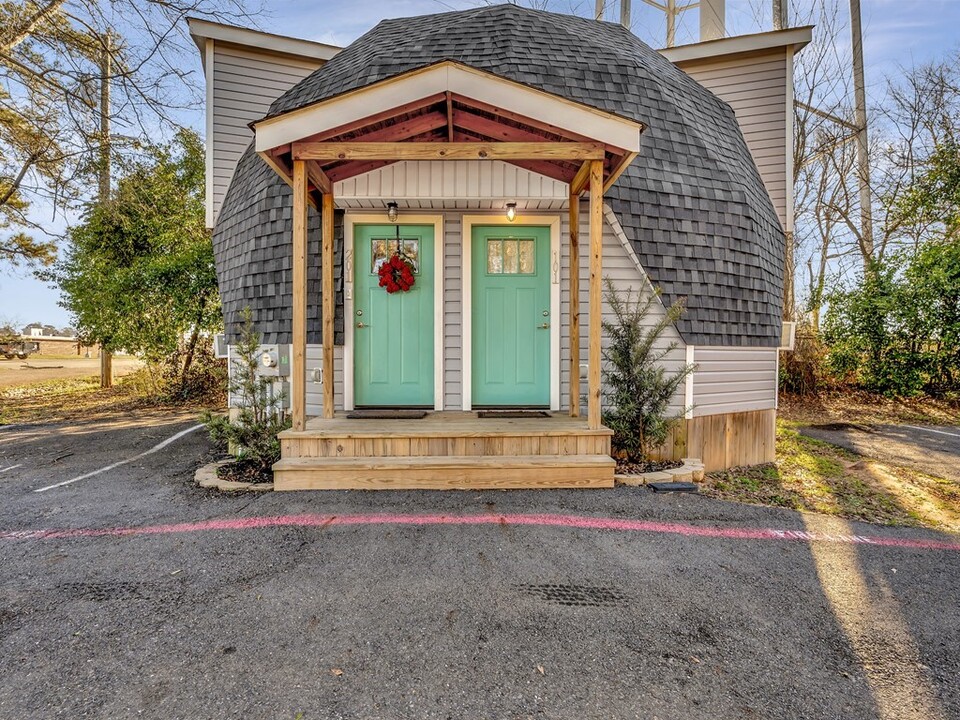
(511, 212)
(393, 211)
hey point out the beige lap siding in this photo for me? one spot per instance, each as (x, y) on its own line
(730, 379)
(245, 83)
(756, 89)
(622, 268)
(315, 390)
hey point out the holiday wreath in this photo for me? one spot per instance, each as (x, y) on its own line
(397, 274)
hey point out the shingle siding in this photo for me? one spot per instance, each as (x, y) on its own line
(252, 246)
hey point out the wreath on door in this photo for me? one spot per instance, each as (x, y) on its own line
(396, 274)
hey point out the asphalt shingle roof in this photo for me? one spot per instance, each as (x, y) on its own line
(692, 204)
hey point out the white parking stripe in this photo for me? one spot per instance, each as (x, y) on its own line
(155, 448)
(931, 430)
(12, 467)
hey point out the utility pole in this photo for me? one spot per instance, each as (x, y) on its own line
(598, 11)
(106, 358)
(863, 148)
(780, 18)
(625, 13)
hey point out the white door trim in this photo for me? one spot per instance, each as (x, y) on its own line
(466, 305)
(352, 218)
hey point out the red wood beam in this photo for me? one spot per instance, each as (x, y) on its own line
(379, 117)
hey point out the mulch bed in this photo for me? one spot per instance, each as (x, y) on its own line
(625, 467)
(245, 471)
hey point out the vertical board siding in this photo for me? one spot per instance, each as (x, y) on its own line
(734, 379)
(245, 83)
(438, 180)
(756, 89)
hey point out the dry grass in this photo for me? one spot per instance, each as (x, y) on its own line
(53, 401)
(866, 408)
(815, 476)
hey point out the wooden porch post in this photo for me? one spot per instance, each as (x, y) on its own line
(298, 361)
(574, 304)
(329, 296)
(596, 294)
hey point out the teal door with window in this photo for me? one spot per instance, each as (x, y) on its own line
(393, 357)
(510, 353)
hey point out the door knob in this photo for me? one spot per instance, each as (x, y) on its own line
(544, 326)
(360, 325)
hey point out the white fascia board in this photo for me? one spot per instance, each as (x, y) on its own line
(202, 30)
(796, 38)
(448, 76)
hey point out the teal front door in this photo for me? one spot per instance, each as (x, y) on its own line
(510, 317)
(393, 356)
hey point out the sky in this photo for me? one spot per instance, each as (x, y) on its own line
(897, 34)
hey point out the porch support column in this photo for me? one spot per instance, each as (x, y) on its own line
(298, 361)
(574, 304)
(596, 294)
(329, 296)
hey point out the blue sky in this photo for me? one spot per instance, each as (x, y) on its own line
(897, 33)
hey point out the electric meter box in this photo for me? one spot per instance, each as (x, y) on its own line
(274, 361)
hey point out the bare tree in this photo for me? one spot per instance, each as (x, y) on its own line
(51, 55)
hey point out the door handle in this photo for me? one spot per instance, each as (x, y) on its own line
(360, 325)
(545, 326)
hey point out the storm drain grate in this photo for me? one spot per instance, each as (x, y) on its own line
(576, 595)
(103, 591)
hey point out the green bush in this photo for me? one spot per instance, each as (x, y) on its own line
(252, 431)
(640, 387)
(898, 331)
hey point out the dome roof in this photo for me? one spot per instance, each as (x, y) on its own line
(692, 204)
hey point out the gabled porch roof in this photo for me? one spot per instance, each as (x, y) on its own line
(447, 110)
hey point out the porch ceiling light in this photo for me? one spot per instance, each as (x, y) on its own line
(511, 212)
(393, 211)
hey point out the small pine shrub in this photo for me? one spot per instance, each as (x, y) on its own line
(640, 388)
(260, 417)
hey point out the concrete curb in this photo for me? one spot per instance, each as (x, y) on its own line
(690, 471)
(206, 477)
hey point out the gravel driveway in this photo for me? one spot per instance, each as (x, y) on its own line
(173, 602)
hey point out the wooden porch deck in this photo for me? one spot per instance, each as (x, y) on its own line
(443, 451)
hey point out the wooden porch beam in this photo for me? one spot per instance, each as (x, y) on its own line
(328, 306)
(596, 292)
(449, 117)
(448, 151)
(298, 361)
(580, 180)
(574, 304)
(318, 177)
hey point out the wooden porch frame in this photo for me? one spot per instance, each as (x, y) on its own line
(395, 151)
(304, 172)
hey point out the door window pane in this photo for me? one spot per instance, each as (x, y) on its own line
(526, 257)
(511, 257)
(382, 249)
(494, 257)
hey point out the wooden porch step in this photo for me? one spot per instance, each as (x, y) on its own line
(444, 472)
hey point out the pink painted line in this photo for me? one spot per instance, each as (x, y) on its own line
(565, 521)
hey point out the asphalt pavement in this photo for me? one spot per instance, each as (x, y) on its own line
(131, 593)
(934, 449)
